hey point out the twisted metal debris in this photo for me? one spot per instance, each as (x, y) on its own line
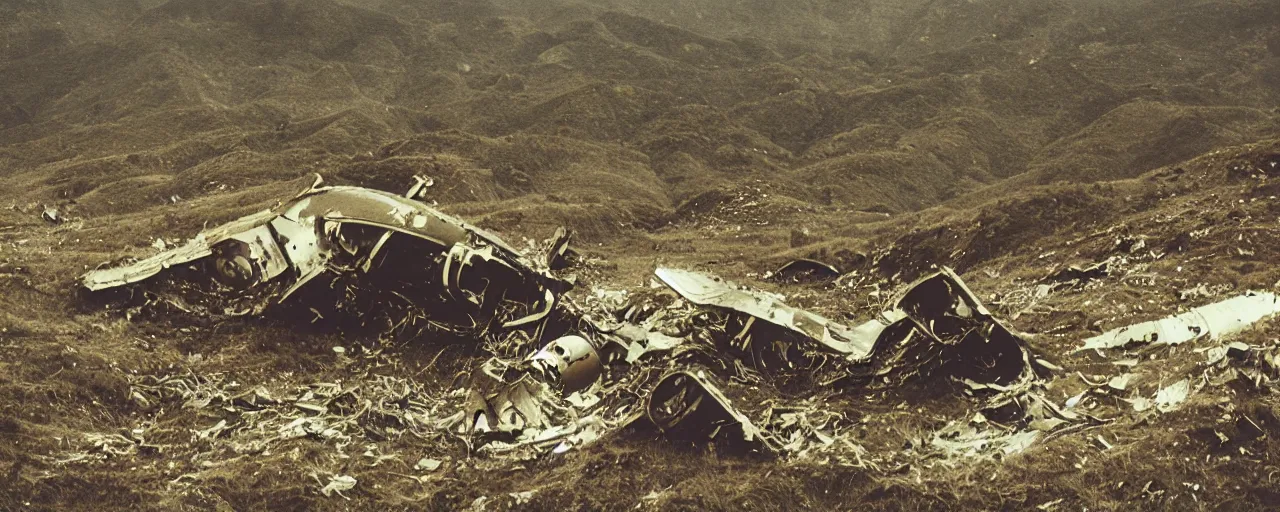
(698, 360)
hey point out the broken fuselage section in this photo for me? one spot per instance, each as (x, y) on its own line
(935, 328)
(366, 254)
(936, 322)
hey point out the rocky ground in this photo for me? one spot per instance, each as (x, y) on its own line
(1006, 138)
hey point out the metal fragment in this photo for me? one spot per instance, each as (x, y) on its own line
(687, 406)
(1214, 321)
(706, 290)
(571, 362)
(804, 269)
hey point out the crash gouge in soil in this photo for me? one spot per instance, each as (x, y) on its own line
(678, 359)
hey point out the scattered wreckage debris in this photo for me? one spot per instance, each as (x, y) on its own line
(56, 214)
(511, 411)
(562, 374)
(1260, 167)
(337, 484)
(1077, 275)
(1214, 321)
(1168, 398)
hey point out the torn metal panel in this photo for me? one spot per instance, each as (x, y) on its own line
(1214, 321)
(1168, 398)
(377, 208)
(981, 347)
(419, 187)
(903, 351)
(199, 247)
(250, 257)
(510, 409)
(992, 355)
(558, 249)
(638, 341)
(705, 290)
(802, 269)
(940, 300)
(686, 405)
(302, 242)
(386, 210)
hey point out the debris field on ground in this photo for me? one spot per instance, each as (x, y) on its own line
(658, 255)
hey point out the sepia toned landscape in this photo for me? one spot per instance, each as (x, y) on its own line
(1083, 165)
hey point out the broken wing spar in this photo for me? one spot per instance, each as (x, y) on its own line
(200, 247)
(1214, 320)
(705, 290)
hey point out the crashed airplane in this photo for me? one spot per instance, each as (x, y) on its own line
(568, 373)
(429, 267)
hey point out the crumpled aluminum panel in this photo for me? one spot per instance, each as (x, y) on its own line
(706, 290)
(199, 247)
